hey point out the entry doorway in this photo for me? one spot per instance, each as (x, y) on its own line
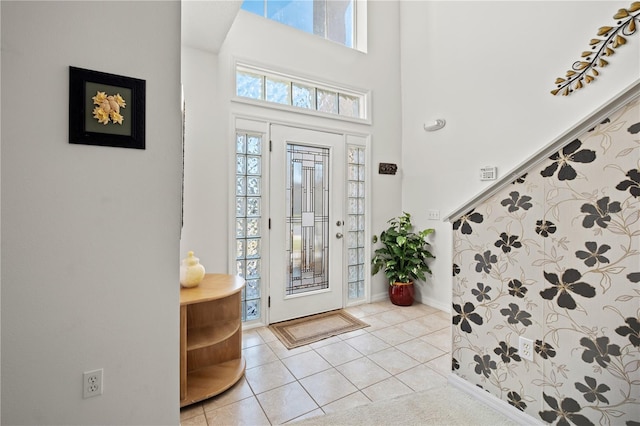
(307, 226)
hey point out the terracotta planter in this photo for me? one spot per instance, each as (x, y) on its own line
(401, 294)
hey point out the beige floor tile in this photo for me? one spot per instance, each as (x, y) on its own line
(420, 350)
(355, 311)
(416, 327)
(353, 400)
(438, 321)
(199, 420)
(306, 364)
(354, 333)
(375, 308)
(419, 309)
(392, 317)
(338, 353)
(245, 412)
(441, 364)
(190, 411)
(325, 342)
(393, 360)
(237, 392)
(286, 403)
(392, 335)
(315, 413)
(441, 339)
(363, 372)
(266, 334)
(251, 338)
(386, 389)
(282, 351)
(374, 322)
(367, 344)
(268, 376)
(421, 378)
(258, 355)
(327, 386)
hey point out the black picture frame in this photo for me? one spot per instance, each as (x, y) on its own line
(92, 123)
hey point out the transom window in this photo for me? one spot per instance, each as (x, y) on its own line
(303, 95)
(330, 19)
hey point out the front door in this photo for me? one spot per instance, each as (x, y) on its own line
(307, 224)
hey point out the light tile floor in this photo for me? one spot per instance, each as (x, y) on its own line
(404, 350)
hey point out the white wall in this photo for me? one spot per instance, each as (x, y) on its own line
(89, 234)
(206, 165)
(273, 45)
(487, 68)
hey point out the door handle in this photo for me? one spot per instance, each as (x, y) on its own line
(339, 235)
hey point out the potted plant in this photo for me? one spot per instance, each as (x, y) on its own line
(403, 257)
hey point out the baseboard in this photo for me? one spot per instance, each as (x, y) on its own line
(445, 307)
(380, 297)
(492, 401)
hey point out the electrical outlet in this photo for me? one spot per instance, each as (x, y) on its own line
(92, 383)
(525, 348)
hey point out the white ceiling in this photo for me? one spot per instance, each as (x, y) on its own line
(205, 23)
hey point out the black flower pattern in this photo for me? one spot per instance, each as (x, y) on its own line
(463, 222)
(484, 365)
(544, 228)
(516, 288)
(485, 260)
(455, 365)
(634, 277)
(634, 129)
(632, 184)
(521, 179)
(516, 315)
(507, 353)
(592, 390)
(506, 242)
(544, 349)
(456, 269)
(466, 314)
(593, 254)
(482, 292)
(516, 202)
(567, 411)
(599, 350)
(563, 159)
(632, 330)
(515, 399)
(569, 284)
(599, 213)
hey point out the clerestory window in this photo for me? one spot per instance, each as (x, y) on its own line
(331, 19)
(301, 95)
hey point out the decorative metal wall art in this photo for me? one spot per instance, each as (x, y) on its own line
(584, 71)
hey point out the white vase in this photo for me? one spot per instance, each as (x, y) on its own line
(191, 271)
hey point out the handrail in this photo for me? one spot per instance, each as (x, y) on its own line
(626, 96)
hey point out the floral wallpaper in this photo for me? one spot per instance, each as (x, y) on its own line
(555, 257)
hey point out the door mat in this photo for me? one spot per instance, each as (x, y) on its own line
(302, 331)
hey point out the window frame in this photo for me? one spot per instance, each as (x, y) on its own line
(358, 31)
(249, 67)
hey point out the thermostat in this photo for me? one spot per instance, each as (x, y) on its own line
(488, 173)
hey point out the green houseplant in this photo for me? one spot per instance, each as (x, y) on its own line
(403, 257)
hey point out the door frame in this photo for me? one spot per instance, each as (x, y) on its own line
(354, 134)
(307, 303)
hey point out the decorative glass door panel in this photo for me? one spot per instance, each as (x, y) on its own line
(307, 207)
(306, 210)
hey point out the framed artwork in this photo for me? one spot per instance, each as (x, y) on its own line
(106, 109)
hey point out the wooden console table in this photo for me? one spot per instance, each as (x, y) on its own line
(210, 337)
